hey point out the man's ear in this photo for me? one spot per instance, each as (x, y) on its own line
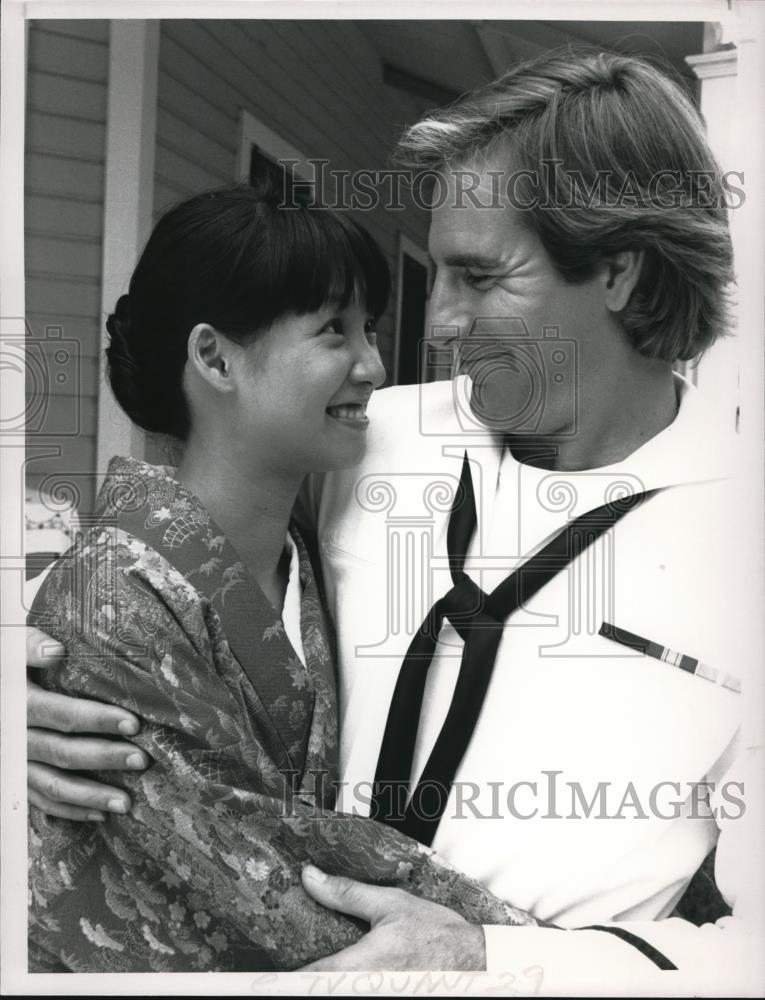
(209, 357)
(622, 271)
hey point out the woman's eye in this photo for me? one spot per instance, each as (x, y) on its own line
(370, 329)
(334, 326)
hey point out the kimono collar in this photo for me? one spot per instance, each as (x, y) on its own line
(149, 504)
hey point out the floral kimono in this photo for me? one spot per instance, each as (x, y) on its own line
(160, 616)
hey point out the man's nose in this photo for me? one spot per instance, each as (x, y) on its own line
(445, 320)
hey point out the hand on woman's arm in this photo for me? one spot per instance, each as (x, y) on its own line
(212, 851)
(204, 872)
(57, 745)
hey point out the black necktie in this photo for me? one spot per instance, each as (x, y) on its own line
(479, 619)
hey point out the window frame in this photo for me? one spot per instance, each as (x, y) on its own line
(254, 132)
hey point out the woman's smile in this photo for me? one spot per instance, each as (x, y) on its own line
(351, 414)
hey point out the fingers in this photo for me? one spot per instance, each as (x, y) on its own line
(370, 902)
(64, 812)
(59, 793)
(49, 710)
(83, 753)
(42, 651)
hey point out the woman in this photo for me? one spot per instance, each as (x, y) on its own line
(248, 335)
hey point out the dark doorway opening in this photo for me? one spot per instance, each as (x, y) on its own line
(414, 299)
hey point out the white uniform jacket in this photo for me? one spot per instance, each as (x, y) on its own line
(598, 777)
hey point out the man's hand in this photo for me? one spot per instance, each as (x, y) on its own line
(51, 757)
(406, 933)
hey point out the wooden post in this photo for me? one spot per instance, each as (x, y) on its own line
(128, 199)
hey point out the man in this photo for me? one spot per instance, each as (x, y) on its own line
(571, 734)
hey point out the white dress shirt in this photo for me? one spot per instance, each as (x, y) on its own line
(566, 707)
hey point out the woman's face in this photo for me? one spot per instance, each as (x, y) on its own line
(304, 386)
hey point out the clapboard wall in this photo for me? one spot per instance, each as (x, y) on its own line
(318, 84)
(63, 203)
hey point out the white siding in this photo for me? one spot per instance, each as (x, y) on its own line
(66, 130)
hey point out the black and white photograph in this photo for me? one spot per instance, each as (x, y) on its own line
(382, 436)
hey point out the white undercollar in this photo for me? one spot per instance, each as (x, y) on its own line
(695, 447)
(293, 599)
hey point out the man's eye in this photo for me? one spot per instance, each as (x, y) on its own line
(478, 280)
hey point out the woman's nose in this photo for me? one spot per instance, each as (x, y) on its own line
(369, 366)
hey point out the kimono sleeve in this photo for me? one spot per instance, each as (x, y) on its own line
(198, 876)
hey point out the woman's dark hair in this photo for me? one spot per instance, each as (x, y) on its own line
(235, 259)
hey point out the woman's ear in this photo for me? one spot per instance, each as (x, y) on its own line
(621, 274)
(209, 356)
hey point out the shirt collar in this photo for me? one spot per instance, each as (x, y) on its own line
(696, 447)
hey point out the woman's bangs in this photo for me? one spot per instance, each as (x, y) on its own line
(331, 260)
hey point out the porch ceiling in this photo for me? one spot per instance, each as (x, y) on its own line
(454, 56)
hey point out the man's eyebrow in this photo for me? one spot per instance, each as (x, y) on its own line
(472, 260)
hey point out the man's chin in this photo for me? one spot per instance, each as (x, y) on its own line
(499, 412)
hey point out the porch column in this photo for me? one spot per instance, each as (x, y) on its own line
(732, 105)
(731, 371)
(128, 200)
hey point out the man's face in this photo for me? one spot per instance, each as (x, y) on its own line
(493, 276)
